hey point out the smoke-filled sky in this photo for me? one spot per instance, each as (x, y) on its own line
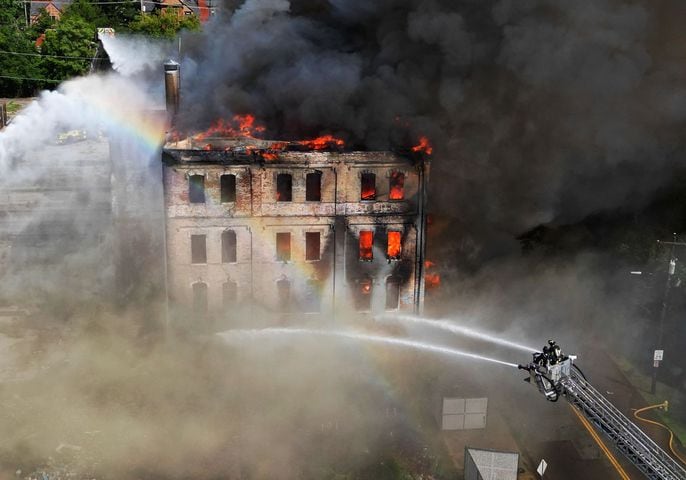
(540, 110)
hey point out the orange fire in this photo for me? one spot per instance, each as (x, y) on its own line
(394, 242)
(322, 143)
(424, 146)
(397, 191)
(431, 279)
(239, 126)
(366, 242)
(270, 155)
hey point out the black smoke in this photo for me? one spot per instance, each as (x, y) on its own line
(539, 111)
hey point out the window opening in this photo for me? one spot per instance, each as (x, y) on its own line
(363, 297)
(283, 288)
(196, 189)
(228, 188)
(312, 302)
(397, 186)
(393, 248)
(229, 293)
(229, 246)
(313, 187)
(312, 246)
(200, 298)
(198, 249)
(368, 186)
(283, 247)
(284, 187)
(392, 293)
(366, 243)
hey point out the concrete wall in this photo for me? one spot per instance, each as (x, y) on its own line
(256, 217)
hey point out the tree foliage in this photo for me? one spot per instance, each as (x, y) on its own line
(69, 48)
(164, 25)
(70, 43)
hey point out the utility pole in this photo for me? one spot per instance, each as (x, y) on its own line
(659, 350)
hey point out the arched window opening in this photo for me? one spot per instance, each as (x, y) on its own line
(392, 293)
(363, 295)
(312, 303)
(229, 246)
(229, 294)
(283, 289)
(200, 298)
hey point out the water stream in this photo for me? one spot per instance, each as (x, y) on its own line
(402, 342)
(456, 329)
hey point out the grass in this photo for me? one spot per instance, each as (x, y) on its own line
(13, 107)
(676, 398)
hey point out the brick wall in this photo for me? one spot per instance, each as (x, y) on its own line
(257, 217)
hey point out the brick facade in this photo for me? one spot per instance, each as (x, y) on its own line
(336, 280)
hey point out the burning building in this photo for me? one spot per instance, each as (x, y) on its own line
(297, 227)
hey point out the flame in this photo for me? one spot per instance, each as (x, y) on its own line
(423, 147)
(397, 186)
(368, 187)
(394, 243)
(366, 241)
(269, 155)
(239, 126)
(431, 279)
(366, 287)
(322, 143)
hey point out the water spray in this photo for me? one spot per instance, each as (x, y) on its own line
(241, 334)
(451, 327)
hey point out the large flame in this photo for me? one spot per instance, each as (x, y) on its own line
(394, 245)
(366, 242)
(238, 126)
(397, 191)
(424, 146)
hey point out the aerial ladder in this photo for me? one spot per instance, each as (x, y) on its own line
(555, 376)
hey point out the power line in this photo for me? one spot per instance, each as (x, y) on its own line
(48, 55)
(30, 78)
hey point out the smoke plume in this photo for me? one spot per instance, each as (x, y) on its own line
(534, 108)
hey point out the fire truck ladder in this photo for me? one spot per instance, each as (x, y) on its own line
(650, 459)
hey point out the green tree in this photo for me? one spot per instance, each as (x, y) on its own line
(39, 26)
(68, 48)
(164, 25)
(120, 15)
(17, 70)
(85, 10)
(12, 13)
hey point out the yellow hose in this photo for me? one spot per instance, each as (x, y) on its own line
(671, 434)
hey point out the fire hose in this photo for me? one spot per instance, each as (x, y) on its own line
(664, 405)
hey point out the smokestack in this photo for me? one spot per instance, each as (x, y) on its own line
(171, 86)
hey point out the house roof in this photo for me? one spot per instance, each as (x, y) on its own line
(37, 5)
